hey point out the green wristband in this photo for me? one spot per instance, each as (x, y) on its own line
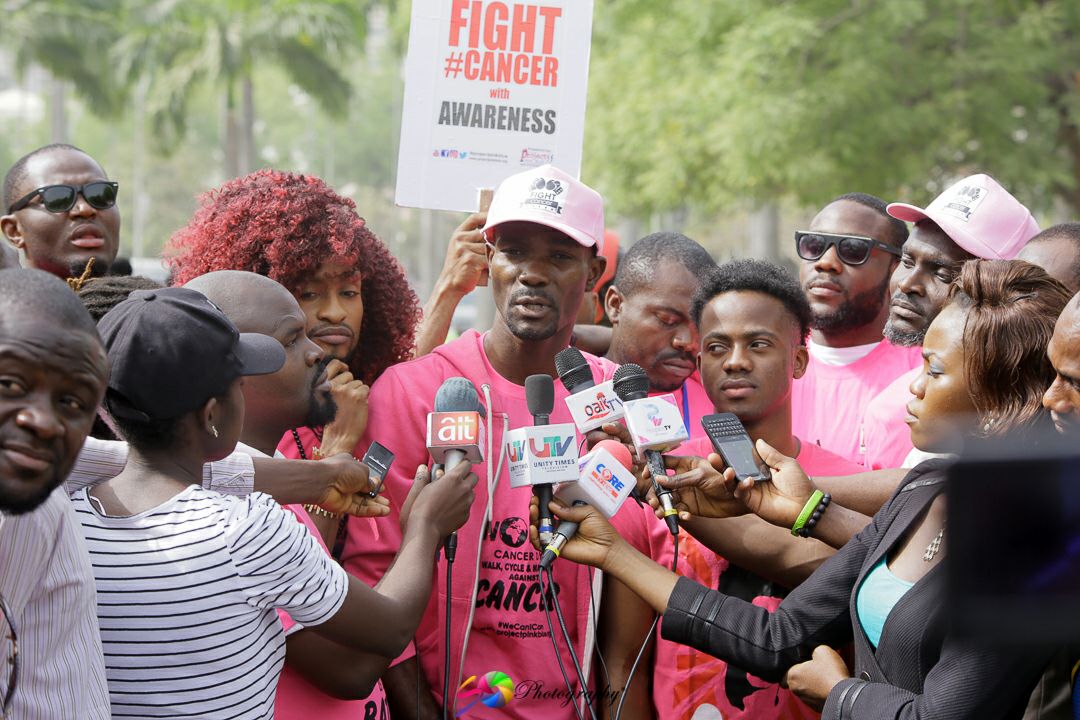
(807, 511)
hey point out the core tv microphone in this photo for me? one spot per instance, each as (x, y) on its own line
(604, 481)
(455, 430)
(655, 424)
(590, 405)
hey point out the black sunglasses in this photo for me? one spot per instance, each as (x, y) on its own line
(851, 249)
(13, 677)
(100, 194)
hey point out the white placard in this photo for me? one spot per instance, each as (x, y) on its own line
(492, 87)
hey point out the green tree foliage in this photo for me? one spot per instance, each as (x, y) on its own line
(180, 45)
(706, 104)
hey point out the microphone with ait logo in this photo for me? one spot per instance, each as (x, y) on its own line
(590, 405)
(455, 432)
(655, 424)
(542, 455)
(604, 481)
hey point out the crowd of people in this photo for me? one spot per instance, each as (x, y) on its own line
(187, 528)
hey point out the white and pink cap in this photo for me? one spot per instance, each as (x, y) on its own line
(548, 196)
(978, 215)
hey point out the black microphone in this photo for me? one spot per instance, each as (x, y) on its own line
(540, 397)
(632, 384)
(573, 370)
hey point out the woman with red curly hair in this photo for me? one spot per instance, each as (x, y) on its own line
(295, 229)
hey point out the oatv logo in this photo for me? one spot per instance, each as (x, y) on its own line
(652, 413)
(548, 447)
(602, 407)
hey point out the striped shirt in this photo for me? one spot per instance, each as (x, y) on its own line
(187, 593)
(45, 576)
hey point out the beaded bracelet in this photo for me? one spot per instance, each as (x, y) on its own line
(808, 509)
(812, 521)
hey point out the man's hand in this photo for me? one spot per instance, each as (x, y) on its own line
(620, 434)
(702, 487)
(595, 537)
(780, 500)
(445, 503)
(465, 266)
(347, 491)
(813, 680)
(351, 397)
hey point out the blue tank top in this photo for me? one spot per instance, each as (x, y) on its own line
(878, 594)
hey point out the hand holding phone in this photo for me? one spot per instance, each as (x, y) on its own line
(378, 459)
(733, 443)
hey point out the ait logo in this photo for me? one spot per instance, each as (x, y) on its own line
(494, 690)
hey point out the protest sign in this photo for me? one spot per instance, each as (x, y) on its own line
(491, 88)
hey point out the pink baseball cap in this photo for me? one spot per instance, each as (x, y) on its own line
(978, 215)
(548, 196)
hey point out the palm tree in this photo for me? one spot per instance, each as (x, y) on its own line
(70, 39)
(181, 45)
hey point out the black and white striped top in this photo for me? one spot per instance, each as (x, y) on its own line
(187, 593)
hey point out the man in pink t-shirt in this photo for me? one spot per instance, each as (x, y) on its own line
(974, 218)
(649, 307)
(543, 230)
(753, 321)
(848, 254)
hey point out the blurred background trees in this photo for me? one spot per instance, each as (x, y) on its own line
(729, 119)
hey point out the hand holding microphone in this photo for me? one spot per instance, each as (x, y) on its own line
(655, 424)
(604, 484)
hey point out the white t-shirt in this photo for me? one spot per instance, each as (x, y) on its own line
(187, 593)
(839, 356)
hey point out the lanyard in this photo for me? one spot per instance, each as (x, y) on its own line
(686, 409)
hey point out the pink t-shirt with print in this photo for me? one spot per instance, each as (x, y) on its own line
(298, 699)
(687, 682)
(887, 436)
(828, 403)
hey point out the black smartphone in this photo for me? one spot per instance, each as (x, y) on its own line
(731, 440)
(378, 459)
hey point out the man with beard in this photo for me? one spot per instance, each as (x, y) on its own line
(544, 229)
(848, 254)
(61, 212)
(973, 218)
(649, 308)
(52, 375)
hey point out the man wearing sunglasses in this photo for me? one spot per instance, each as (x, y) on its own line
(974, 218)
(848, 254)
(60, 211)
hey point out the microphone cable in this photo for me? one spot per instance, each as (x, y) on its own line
(648, 637)
(569, 644)
(449, 552)
(555, 644)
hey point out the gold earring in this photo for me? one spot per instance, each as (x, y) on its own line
(213, 431)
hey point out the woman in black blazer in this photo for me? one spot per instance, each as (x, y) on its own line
(985, 370)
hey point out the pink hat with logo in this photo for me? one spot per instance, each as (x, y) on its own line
(548, 196)
(978, 215)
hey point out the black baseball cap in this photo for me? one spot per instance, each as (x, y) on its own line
(171, 350)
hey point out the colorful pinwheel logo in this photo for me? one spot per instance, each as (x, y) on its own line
(494, 690)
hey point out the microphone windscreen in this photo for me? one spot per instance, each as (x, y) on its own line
(618, 451)
(457, 394)
(540, 394)
(630, 382)
(573, 369)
